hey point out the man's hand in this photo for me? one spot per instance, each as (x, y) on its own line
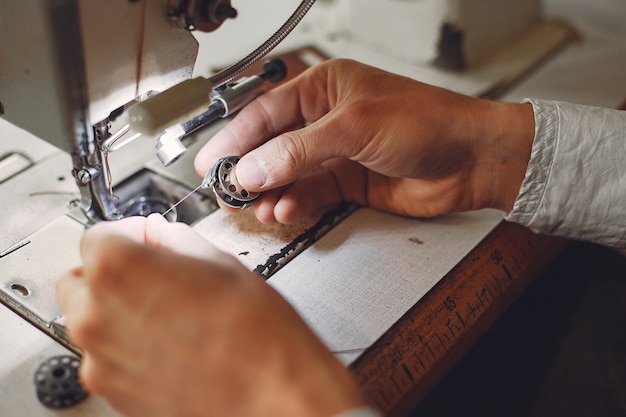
(171, 326)
(346, 131)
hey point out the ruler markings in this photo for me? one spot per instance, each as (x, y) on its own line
(416, 351)
(408, 372)
(507, 272)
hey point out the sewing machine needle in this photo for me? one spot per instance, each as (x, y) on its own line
(181, 200)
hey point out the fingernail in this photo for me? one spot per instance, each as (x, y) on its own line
(251, 171)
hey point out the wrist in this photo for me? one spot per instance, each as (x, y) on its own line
(503, 145)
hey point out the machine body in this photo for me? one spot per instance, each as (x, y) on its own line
(71, 68)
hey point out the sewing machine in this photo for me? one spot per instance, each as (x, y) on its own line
(69, 67)
(70, 74)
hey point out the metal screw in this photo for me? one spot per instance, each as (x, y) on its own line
(84, 176)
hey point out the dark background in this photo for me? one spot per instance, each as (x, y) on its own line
(560, 350)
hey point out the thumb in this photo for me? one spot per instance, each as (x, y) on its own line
(287, 157)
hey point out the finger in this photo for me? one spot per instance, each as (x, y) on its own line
(255, 123)
(72, 295)
(131, 227)
(107, 248)
(290, 106)
(86, 374)
(228, 209)
(287, 157)
(264, 208)
(83, 323)
(178, 238)
(311, 192)
(335, 181)
(125, 392)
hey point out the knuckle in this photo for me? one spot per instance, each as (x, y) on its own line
(266, 116)
(360, 109)
(93, 378)
(110, 265)
(291, 150)
(339, 63)
(105, 259)
(84, 332)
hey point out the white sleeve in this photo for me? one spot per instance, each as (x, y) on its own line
(575, 184)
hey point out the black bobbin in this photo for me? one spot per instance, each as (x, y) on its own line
(57, 383)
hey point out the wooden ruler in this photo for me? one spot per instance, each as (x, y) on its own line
(407, 362)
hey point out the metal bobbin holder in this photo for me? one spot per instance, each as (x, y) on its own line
(56, 380)
(227, 189)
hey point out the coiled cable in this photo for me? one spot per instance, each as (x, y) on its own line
(230, 73)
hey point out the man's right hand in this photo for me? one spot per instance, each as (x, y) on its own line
(343, 131)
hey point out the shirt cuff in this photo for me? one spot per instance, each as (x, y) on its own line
(544, 147)
(576, 177)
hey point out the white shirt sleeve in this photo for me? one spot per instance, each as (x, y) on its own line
(575, 184)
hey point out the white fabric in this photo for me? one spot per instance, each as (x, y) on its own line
(575, 184)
